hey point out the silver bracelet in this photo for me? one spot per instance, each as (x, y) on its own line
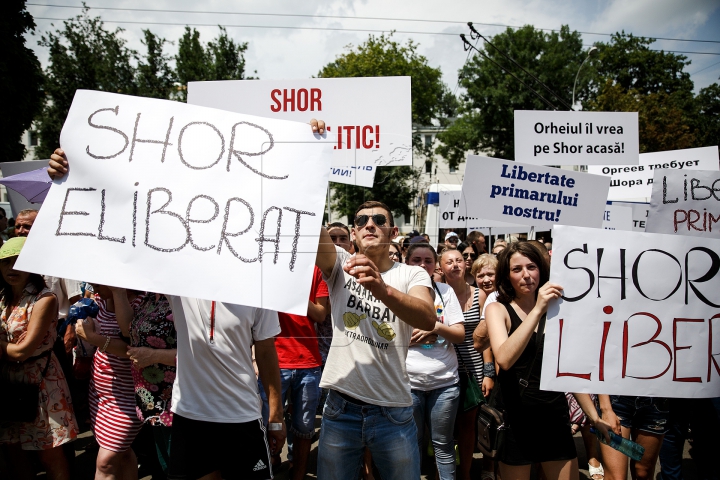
(275, 427)
(489, 369)
(107, 342)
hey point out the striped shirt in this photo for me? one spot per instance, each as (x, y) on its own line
(470, 361)
(113, 416)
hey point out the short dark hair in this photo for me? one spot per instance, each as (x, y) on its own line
(474, 235)
(338, 225)
(375, 204)
(415, 246)
(506, 292)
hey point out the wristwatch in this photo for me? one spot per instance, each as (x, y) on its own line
(275, 426)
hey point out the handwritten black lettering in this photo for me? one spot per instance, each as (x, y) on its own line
(64, 212)
(105, 127)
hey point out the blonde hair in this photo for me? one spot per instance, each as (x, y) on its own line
(484, 260)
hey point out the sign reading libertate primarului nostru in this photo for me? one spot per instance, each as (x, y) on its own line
(686, 203)
(496, 189)
(638, 316)
(635, 182)
(450, 217)
(369, 118)
(576, 138)
(185, 200)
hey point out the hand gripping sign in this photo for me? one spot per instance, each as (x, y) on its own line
(184, 200)
(639, 314)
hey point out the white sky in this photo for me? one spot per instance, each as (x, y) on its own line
(296, 53)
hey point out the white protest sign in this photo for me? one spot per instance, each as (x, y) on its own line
(513, 192)
(576, 138)
(634, 182)
(687, 203)
(618, 218)
(361, 176)
(450, 217)
(370, 118)
(184, 200)
(639, 315)
(639, 214)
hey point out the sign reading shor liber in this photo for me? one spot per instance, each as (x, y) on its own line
(639, 315)
(685, 203)
(184, 200)
(369, 118)
(496, 189)
(576, 138)
(635, 182)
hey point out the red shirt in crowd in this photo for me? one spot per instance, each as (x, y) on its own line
(297, 344)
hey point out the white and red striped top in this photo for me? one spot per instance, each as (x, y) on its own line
(112, 394)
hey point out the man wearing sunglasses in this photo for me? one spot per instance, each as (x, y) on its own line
(376, 303)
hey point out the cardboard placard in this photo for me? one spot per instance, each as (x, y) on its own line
(370, 118)
(686, 203)
(635, 182)
(639, 214)
(496, 189)
(167, 197)
(576, 138)
(639, 315)
(618, 218)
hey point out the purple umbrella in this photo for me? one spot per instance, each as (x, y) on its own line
(33, 185)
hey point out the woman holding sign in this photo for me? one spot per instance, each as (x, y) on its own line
(539, 423)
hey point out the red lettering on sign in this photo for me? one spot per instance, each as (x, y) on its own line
(585, 376)
(676, 349)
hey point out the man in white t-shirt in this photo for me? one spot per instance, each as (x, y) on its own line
(376, 303)
(217, 423)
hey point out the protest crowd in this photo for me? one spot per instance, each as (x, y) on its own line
(405, 348)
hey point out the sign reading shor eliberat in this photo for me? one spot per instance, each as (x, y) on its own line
(686, 203)
(173, 198)
(370, 119)
(639, 315)
(576, 138)
(512, 192)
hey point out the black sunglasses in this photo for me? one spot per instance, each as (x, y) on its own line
(378, 219)
(469, 255)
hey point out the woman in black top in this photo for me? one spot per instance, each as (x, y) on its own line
(539, 422)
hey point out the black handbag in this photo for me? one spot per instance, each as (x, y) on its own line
(19, 400)
(491, 427)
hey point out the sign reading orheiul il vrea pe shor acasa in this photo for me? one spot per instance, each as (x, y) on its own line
(638, 316)
(513, 192)
(167, 197)
(369, 118)
(576, 138)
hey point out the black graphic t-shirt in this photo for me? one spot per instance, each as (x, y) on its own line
(370, 343)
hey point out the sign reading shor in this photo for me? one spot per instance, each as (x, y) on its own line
(370, 119)
(639, 315)
(184, 200)
(576, 138)
(512, 192)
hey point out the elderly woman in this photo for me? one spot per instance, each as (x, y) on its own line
(27, 332)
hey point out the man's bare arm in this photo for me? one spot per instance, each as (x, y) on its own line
(326, 253)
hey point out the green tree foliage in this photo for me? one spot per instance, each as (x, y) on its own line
(83, 55)
(383, 57)
(486, 111)
(708, 116)
(662, 123)
(221, 59)
(20, 79)
(155, 77)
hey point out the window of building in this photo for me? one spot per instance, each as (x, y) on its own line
(428, 140)
(453, 169)
(33, 139)
(428, 166)
(407, 219)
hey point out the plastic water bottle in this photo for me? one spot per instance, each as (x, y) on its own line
(440, 342)
(622, 445)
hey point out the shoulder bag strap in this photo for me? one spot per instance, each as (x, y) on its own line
(539, 335)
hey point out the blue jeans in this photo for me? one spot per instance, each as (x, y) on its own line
(303, 385)
(347, 428)
(439, 406)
